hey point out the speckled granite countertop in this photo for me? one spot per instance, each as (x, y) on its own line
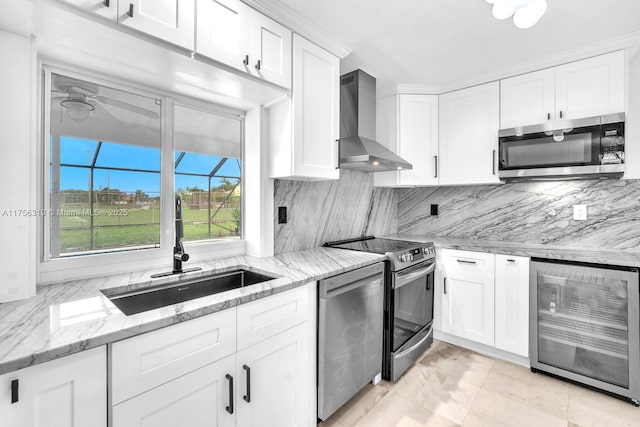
(564, 253)
(69, 317)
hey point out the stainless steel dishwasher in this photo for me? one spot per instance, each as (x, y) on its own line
(350, 326)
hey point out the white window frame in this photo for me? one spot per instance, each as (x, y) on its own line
(153, 259)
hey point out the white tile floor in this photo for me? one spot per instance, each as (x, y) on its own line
(451, 386)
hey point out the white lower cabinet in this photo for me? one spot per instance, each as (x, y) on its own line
(252, 365)
(67, 392)
(512, 304)
(485, 299)
(199, 398)
(273, 380)
(467, 295)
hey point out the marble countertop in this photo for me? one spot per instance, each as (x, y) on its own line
(563, 253)
(73, 316)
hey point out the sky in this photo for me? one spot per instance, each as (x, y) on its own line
(74, 151)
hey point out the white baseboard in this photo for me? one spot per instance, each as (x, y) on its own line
(482, 349)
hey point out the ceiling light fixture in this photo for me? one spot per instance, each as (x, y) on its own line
(525, 12)
(77, 108)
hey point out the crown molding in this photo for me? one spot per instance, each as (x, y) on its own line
(291, 19)
(629, 41)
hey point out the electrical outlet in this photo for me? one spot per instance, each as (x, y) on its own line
(434, 210)
(580, 212)
(282, 214)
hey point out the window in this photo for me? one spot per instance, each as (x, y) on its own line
(111, 169)
(208, 173)
(104, 169)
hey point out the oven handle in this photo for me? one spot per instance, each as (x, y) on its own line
(403, 279)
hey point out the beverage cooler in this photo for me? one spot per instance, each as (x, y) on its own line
(585, 325)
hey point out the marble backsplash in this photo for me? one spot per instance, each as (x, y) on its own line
(320, 211)
(540, 212)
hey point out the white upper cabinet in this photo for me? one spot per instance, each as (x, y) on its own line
(303, 129)
(408, 124)
(469, 121)
(69, 391)
(230, 32)
(222, 32)
(591, 87)
(105, 8)
(270, 57)
(586, 88)
(170, 20)
(527, 99)
(512, 304)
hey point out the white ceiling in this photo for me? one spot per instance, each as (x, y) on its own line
(441, 42)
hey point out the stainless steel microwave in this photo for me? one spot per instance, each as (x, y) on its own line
(584, 148)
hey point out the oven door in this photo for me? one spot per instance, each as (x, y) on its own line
(411, 316)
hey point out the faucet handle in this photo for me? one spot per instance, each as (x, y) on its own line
(181, 257)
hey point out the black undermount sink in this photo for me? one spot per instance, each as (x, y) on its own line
(137, 301)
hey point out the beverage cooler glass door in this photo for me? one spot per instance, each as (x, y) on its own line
(587, 322)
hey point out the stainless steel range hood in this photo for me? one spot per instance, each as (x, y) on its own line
(358, 149)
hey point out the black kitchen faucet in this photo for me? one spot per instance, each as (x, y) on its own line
(179, 255)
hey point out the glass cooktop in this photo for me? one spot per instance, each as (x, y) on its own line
(375, 245)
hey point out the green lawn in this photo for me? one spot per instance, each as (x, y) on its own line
(118, 226)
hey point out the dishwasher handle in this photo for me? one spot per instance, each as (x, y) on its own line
(354, 285)
(337, 285)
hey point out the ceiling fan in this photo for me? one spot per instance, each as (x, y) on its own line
(80, 98)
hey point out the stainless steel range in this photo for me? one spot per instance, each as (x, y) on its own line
(408, 302)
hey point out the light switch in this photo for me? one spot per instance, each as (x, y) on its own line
(580, 212)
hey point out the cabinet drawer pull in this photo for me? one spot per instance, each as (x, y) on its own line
(337, 154)
(247, 397)
(464, 261)
(230, 407)
(245, 61)
(130, 13)
(511, 260)
(106, 3)
(258, 65)
(445, 286)
(14, 391)
(435, 166)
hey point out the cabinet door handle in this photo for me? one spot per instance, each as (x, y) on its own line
(548, 116)
(464, 261)
(493, 162)
(247, 397)
(560, 113)
(230, 407)
(106, 3)
(445, 286)
(337, 154)
(245, 61)
(258, 65)
(435, 166)
(511, 260)
(130, 12)
(15, 395)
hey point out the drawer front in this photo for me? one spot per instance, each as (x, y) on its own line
(141, 363)
(468, 265)
(269, 316)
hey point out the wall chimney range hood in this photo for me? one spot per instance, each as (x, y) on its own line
(358, 149)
